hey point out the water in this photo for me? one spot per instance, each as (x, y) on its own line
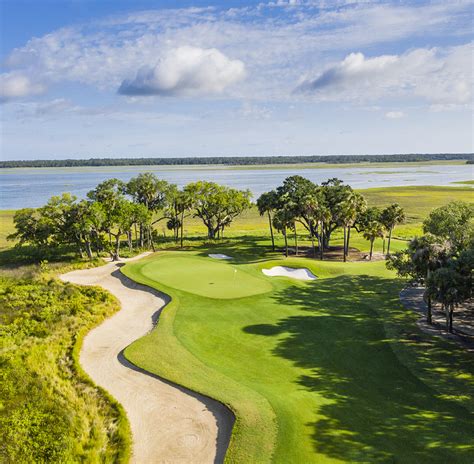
(32, 187)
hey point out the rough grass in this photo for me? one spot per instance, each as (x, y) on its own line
(329, 371)
(51, 411)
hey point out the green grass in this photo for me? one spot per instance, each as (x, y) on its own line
(6, 227)
(417, 201)
(50, 410)
(333, 370)
(469, 182)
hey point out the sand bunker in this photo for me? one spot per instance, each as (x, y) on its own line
(283, 271)
(169, 423)
(219, 256)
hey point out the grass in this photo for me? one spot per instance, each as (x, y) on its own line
(51, 411)
(329, 371)
(6, 226)
(468, 182)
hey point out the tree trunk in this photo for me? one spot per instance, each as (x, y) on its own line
(88, 249)
(429, 313)
(312, 244)
(345, 243)
(371, 249)
(150, 239)
(286, 243)
(182, 227)
(116, 253)
(348, 239)
(383, 245)
(296, 239)
(429, 317)
(451, 311)
(271, 230)
(389, 239)
(142, 238)
(129, 240)
(211, 232)
(321, 242)
(446, 312)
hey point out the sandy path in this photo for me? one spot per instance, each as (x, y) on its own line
(169, 423)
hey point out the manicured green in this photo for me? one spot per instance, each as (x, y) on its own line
(205, 277)
(333, 370)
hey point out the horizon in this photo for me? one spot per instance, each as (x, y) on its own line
(212, 78)
(234, 157)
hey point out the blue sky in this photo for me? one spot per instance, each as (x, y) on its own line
(83, 78)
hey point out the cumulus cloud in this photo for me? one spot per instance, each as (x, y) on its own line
(436, 75)
(185, 71)
(276, 47)
(394, 114)
(15, 85)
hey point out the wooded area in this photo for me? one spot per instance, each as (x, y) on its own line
(238, 160)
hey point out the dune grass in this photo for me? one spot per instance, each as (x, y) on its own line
(51, 411)
(332, 370)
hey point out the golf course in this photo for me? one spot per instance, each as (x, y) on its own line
(329, 370)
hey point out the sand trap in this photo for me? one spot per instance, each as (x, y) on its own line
(169, 423)
(283, 271)
(219, 256)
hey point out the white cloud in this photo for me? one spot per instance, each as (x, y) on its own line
(185, 71)
(436, 75)
(394, 114)
(15, 85)
(277, 45)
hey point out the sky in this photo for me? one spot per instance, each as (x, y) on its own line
(133, 78)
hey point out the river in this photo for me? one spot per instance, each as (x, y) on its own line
(31, 187)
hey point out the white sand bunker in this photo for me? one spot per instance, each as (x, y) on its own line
(300, 273)
(219, 256)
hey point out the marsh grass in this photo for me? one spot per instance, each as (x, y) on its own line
(51, 411)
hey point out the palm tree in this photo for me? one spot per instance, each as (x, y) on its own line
(352, 205)
(390, 217)
(266, 204)
(373, 230)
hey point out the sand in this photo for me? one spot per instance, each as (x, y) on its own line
(169, 423)
(294, 273)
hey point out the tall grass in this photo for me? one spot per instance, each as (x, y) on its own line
(51, 411)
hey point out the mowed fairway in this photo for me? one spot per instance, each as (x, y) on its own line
(332, 370)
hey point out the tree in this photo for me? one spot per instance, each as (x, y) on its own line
(334, 193)
(30, 228)
(351, 206)
(178, 202)
(443, 285)
(390, 217)
(373, 230)
(453, 222)
(153, 193)
(267, 203)
(423, 256)
(282, 221)
(216, 205)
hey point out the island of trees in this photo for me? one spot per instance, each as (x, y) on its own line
(239, 160)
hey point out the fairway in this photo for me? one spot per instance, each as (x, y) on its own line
(332, 370)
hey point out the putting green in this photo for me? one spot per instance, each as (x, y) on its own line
(205, 276)
(329, 371)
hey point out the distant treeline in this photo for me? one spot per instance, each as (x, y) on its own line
(239, 160)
